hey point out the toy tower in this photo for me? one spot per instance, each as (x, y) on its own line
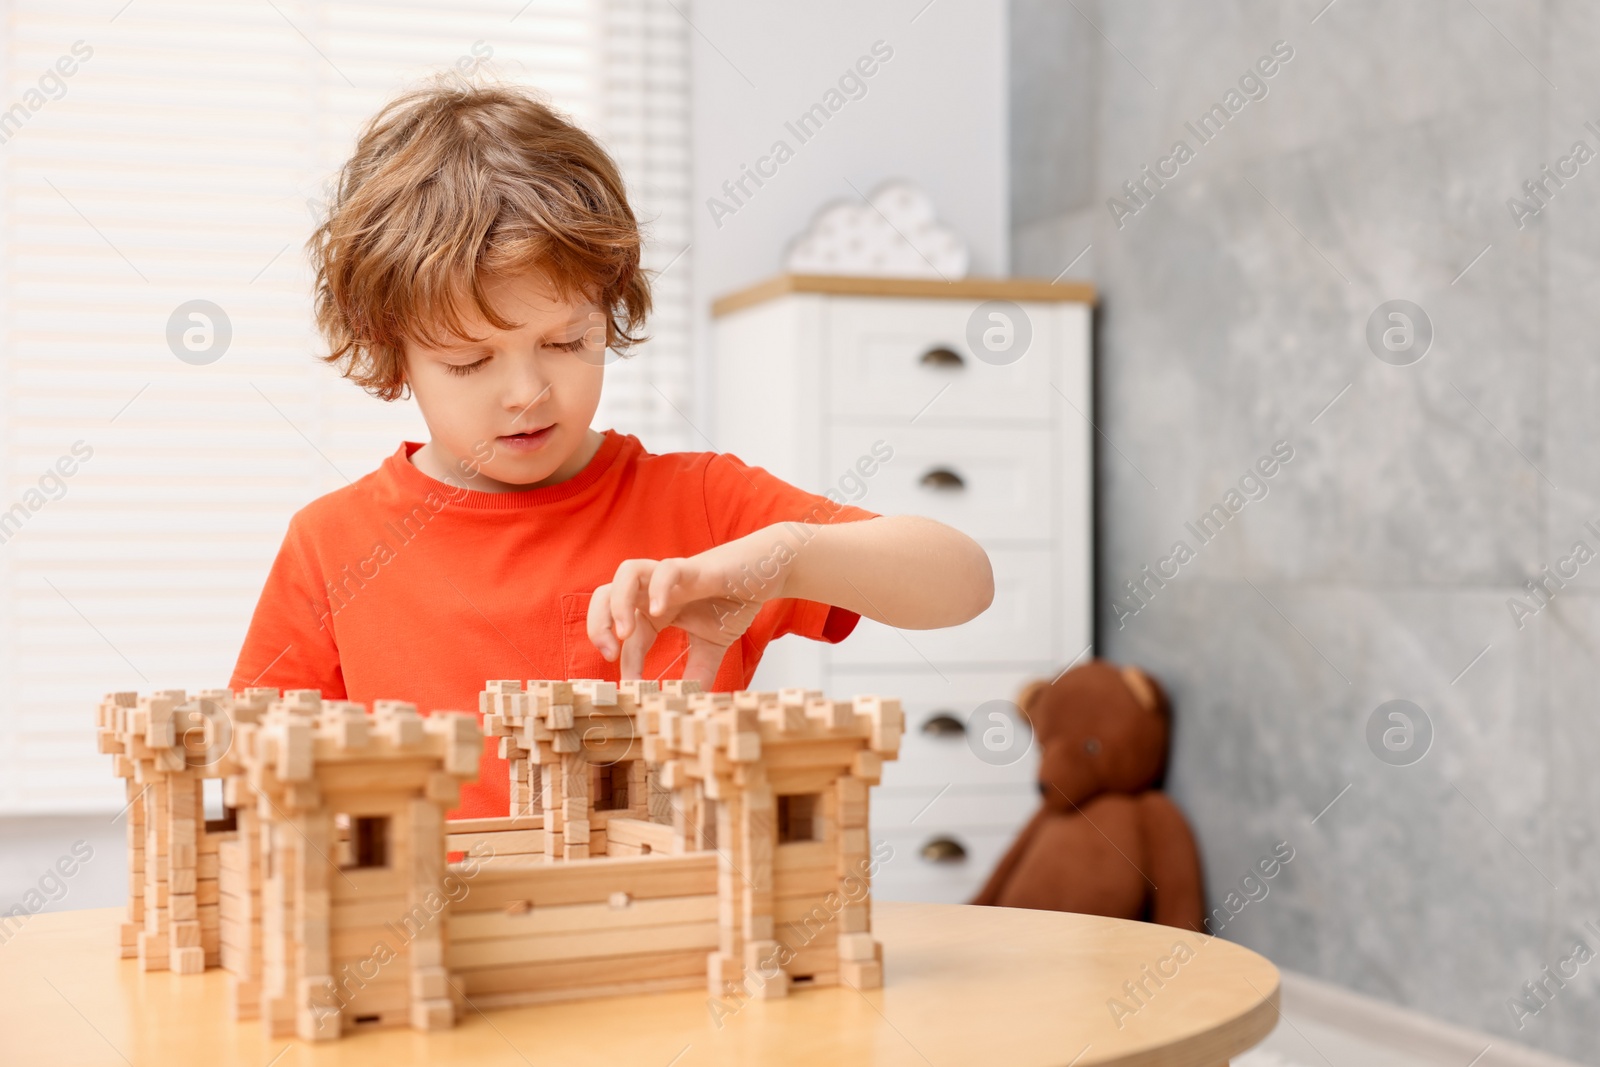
(166, 745)
(784, 777)
(576, 754)
(352, 847)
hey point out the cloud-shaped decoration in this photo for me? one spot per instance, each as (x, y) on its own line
(896, 235)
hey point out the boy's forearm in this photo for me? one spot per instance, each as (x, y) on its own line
(902, 570)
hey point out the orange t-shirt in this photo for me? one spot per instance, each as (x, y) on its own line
(403, 587)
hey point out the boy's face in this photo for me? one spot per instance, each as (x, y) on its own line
(513, 411)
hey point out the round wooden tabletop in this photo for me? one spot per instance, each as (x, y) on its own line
(962, 985)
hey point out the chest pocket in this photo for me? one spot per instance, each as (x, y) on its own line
(580, 659)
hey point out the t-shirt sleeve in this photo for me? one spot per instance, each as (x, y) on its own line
(741, 499)
(290, 641)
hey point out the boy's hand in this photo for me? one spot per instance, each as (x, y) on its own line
(692, 593)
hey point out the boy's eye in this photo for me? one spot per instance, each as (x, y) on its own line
(465, 368)
(570, 346)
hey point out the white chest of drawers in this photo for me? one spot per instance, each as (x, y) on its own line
(815, 378)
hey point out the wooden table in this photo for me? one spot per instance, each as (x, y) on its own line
(963, 985)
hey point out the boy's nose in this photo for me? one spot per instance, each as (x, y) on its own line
(527, 397)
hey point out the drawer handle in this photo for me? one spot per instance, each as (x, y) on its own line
(944, 850)
(942, 358)
(944, 724)
(943, 480)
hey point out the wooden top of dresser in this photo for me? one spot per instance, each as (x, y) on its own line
(1023, 289)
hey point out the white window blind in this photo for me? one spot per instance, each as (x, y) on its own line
(183, 159)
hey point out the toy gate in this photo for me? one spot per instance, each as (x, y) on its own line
(661, 838)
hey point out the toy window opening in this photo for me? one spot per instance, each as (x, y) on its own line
(363, 840)
(611, 787)
(797, 817)
(219, 817)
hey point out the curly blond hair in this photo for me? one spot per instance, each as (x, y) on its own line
(451, 183)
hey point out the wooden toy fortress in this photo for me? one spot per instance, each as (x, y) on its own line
(660, 838)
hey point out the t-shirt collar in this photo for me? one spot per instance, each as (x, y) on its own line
(418, 484)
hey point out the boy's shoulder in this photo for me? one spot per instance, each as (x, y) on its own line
(376, 487)
(719, 475)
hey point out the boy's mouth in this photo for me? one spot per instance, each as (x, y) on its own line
(527, 441)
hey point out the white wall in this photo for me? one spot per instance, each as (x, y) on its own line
(934, 113)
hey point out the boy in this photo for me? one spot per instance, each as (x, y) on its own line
(480, 253)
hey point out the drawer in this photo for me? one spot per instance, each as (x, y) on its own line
(946, 806)
(1018, 627)
(939, 719)
(907, 875)
(889, 358)
(991, 483)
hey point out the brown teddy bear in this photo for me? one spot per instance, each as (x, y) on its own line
(1107, 841)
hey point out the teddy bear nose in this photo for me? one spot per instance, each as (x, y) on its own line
(1043, 789)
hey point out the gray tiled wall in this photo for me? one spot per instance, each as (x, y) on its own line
(1380, 561)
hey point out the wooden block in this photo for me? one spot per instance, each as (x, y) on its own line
(185, 935)
(638, 832)
(853, 803)
(791, 718)
(444, 789)
(182, 907)
(744, 747)
(188, 960)
(760, 963)
(585, 946)
(581, 976)
(802, 779)
(504, 843)
(294, 750)
(433, 1014)
(626, 912)
(857, 946)
(595, 879)
(804, 855)
(152, 951)
(183, 802)
(722, 971)
(812, 882)
(244, 998)
(861, 974)
(490, 826)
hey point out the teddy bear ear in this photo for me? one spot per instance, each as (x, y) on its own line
(1142, 686)
(1029, 696)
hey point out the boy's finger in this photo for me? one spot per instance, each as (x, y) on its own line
(667, 574)
(627, 592)
(599, 622)
(634, 648)
(705, 657)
